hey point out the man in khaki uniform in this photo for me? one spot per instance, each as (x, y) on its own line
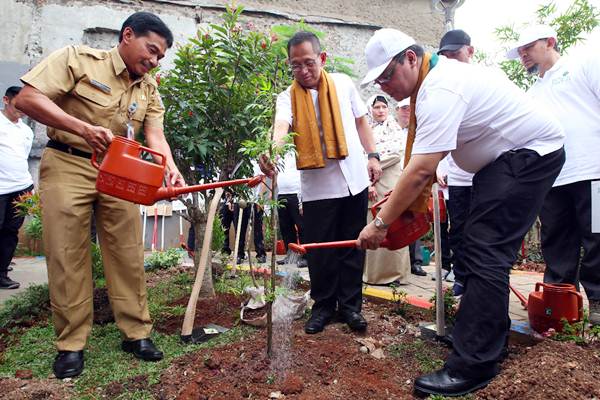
(86, 96)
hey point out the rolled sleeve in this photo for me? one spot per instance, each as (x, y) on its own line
(156, 110)
(56, 75)
(283, 107)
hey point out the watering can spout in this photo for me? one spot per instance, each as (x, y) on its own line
(170, 192)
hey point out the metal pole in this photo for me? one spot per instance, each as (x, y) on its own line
(144, 212)
(439, 293)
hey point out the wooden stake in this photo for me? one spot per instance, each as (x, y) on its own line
(190, 312)
(238, 230)
(440, 321)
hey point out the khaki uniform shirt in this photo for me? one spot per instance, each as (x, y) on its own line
(94, 86)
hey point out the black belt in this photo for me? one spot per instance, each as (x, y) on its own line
(65, 148)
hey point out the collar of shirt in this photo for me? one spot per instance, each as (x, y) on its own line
(120, 67)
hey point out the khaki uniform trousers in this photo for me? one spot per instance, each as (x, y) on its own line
(68, 196)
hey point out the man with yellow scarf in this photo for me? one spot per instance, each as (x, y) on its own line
(515, 150)
(332, 135)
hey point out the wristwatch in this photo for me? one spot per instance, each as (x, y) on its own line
(374, 155)
(379, 224)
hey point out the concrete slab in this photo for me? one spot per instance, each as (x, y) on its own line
(27, 271)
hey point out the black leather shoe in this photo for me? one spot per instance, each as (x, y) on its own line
(7, 283)
(316, 323)
(143, 349)
(355, 320)
(68, 364)
(417, 270)
(444, 383)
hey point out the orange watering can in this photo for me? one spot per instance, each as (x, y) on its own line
(406, 229)
(547, 307)
(123, 174)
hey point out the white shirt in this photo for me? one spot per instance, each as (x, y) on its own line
(288, 179)
(339, 178)
(571, 91)
(478, 114)
(15, 145)
(456, 176)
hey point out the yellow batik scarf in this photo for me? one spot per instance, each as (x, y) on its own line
(308, 138)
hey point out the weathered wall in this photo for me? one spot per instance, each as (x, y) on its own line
(32, 29)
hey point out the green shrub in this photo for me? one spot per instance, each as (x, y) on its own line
(218, 237)
(163, 259)
(97, 264)
(27, 305)
(33, 228)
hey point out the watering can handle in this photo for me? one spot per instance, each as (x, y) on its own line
(579, 302)
(163, 159)
(538, 285)
(375, 207)
(95, 160)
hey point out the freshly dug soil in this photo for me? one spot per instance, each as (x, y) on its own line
(34, 389)
(329, 365)
(103, 313)
(223, 310)
(547, 371)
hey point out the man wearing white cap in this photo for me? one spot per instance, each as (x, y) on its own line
(515, 150)
(570, 89)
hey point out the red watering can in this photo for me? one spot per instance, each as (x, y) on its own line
(406, 229)
(548, 307)
(123, 174)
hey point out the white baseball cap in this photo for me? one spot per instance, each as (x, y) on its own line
(403, 102)
(529, 35)
(381, 48)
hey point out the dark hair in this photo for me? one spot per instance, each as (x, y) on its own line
(381, 99)
(304, 36)
(12, 91)
(418, 50)
(143, 22)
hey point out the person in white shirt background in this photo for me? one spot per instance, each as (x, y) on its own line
(456, 44)
(515, 150)
(569, 87)
(290, 211)
(15, 180)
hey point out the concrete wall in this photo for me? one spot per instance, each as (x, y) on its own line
(32, 29)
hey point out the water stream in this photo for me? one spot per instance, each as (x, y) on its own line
(285, 307)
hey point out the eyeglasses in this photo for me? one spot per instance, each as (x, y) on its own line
(387, 77)
(310, 64)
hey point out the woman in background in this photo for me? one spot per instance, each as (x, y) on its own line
(383, 266)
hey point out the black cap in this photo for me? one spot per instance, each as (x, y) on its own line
(454, 40)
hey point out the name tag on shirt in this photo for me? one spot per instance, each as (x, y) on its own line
(596, 207)
(100, 85)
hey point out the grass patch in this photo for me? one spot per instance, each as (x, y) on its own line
(105, 363)
(25, 306)
(161, 295)
(104, 360)
(424, 353)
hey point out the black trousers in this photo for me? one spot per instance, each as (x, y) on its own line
(10, 222)
(335, 274)
(507, 197)
(458, 205)
(226, 216)
(416, 255)
(259, 244)
(289, 217)
(445, 246)
(567, 228)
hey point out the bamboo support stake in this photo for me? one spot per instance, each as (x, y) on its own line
(238, 230)
(190, 312)
(440, 320)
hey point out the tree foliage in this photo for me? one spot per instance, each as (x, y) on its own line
(579, 18)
